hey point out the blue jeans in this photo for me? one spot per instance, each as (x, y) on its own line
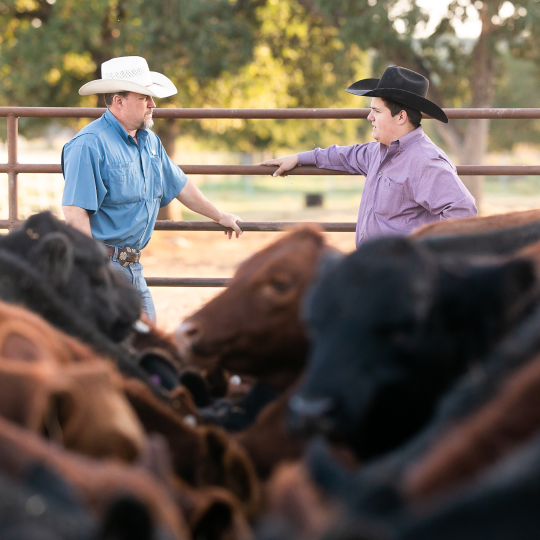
(133, 273)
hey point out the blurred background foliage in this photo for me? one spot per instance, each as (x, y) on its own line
(276, 53)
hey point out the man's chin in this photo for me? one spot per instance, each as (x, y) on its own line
(147, 123)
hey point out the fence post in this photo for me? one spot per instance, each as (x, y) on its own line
(12, 136)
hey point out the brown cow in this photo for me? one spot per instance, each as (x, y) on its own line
(99, 482)
(298, 504)
(253, 328)
(80, 406)
(52, 384)
(477, 224)
(498, 428)
(26, 336)
(267, 441)
(211, 512)
(202, 456)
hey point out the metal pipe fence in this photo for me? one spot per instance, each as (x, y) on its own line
(13, 168)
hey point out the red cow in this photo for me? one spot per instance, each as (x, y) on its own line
(253, 328)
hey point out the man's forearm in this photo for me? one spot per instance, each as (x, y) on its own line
(78, 219)
(192, 198)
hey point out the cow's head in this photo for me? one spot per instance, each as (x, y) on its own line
(54, 385)
(253, 327)
(78, 269)
(391, 328)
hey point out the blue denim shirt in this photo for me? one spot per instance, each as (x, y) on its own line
(122, 184)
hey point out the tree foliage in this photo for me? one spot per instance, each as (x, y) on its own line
(49, 48)
(219, 53)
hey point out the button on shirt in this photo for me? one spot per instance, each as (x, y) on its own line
(121, 183)
(410, 183)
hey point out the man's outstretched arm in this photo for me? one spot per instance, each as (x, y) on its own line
(78, 219)
(192, 198)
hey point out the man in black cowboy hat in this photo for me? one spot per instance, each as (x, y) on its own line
(409, 180)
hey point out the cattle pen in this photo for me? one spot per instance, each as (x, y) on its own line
(13, 167)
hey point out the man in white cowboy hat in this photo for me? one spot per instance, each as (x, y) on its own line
(409, 180)
(118, 175)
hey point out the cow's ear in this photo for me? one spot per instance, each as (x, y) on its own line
(43, 223)
(54, 255)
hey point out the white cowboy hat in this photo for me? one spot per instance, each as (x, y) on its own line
(129, 74)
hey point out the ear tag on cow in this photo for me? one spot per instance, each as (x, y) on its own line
(33, 235)
(141, 327)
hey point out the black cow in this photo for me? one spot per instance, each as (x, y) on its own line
(48, 256)
(392, 327)
(501, 503)
(65, 276)
(375, 488)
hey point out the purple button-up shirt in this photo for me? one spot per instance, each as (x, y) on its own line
(408, 184)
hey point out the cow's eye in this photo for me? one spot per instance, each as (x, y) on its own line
(281, 285)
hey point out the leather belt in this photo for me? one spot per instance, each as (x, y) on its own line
(126, 255)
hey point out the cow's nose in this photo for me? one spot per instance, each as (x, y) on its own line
(188, 332)
(309, 417)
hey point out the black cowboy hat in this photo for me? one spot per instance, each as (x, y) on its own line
(402, 85)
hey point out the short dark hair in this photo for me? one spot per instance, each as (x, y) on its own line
(414, 115)
(108, 98)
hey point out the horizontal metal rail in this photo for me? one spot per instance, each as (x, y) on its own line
(250, 226)
(247, 226)
(260, 114)
(186, 282)
(305, 170)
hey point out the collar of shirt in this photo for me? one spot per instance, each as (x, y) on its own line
(113, 121)
(408, 139)
(399, 145)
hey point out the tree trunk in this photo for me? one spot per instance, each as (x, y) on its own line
(471, 146)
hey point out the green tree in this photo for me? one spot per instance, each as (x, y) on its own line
(298, 62)
(49, 48)
(219, 53)
(517, 87)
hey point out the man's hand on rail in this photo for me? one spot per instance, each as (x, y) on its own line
(285, 164)
(230, 221)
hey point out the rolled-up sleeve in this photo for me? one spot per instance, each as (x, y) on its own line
(440, 190)
(352, 159)
(174, 179)
(84, 186)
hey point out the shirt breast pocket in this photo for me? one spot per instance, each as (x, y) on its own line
(123, 183)
(389, 198)
(157, 173)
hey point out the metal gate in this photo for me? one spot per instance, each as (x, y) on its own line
(13, 167)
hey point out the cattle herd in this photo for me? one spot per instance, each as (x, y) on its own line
(388, 394)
